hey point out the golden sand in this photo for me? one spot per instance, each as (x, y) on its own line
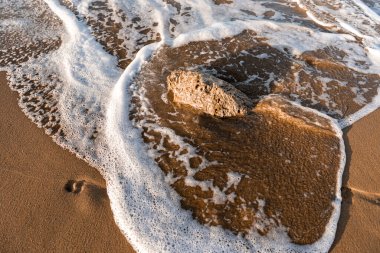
(359, 223)
(39, 213)
(52, 201)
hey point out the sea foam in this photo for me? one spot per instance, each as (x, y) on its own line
(94, 95)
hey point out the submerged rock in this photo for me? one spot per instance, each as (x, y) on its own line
(207, 93)
(273, 168)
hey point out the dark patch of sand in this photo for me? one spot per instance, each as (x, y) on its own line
(288, 167)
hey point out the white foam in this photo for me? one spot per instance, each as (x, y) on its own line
(367, 10)
(361, 24)
(366, 110)
(147, 211)
(316, 20)
(280, 35)
(143, 173)
(233, 179)
(25, 22)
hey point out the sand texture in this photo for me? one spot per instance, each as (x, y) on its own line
(41, 209)
(39, 215)
(359, 224)
(285, 167)
(207, 93)
(262, 161)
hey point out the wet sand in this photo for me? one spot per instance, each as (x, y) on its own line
(41, 210)
(359, 224)
(282, 162)
(39, 214)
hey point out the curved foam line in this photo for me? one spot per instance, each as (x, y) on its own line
(366, 110)
(138, 167)
(135, 173)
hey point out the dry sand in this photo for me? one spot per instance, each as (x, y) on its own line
(39, 215)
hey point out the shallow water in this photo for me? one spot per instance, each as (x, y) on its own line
(93, 74)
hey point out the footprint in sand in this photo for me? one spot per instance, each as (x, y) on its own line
(74, 186)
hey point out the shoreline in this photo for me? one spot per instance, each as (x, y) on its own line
(359, 222)
(39, 199)
(51, 200)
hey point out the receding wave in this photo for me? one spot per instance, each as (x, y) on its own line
(217, 124)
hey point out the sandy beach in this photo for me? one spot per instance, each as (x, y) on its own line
(50, 200)
(238, 154)
(42, 210)
(359, 224)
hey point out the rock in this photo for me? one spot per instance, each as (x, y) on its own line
(207, 93)
(286, 110)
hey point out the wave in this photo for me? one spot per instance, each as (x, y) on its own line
(89, 79)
